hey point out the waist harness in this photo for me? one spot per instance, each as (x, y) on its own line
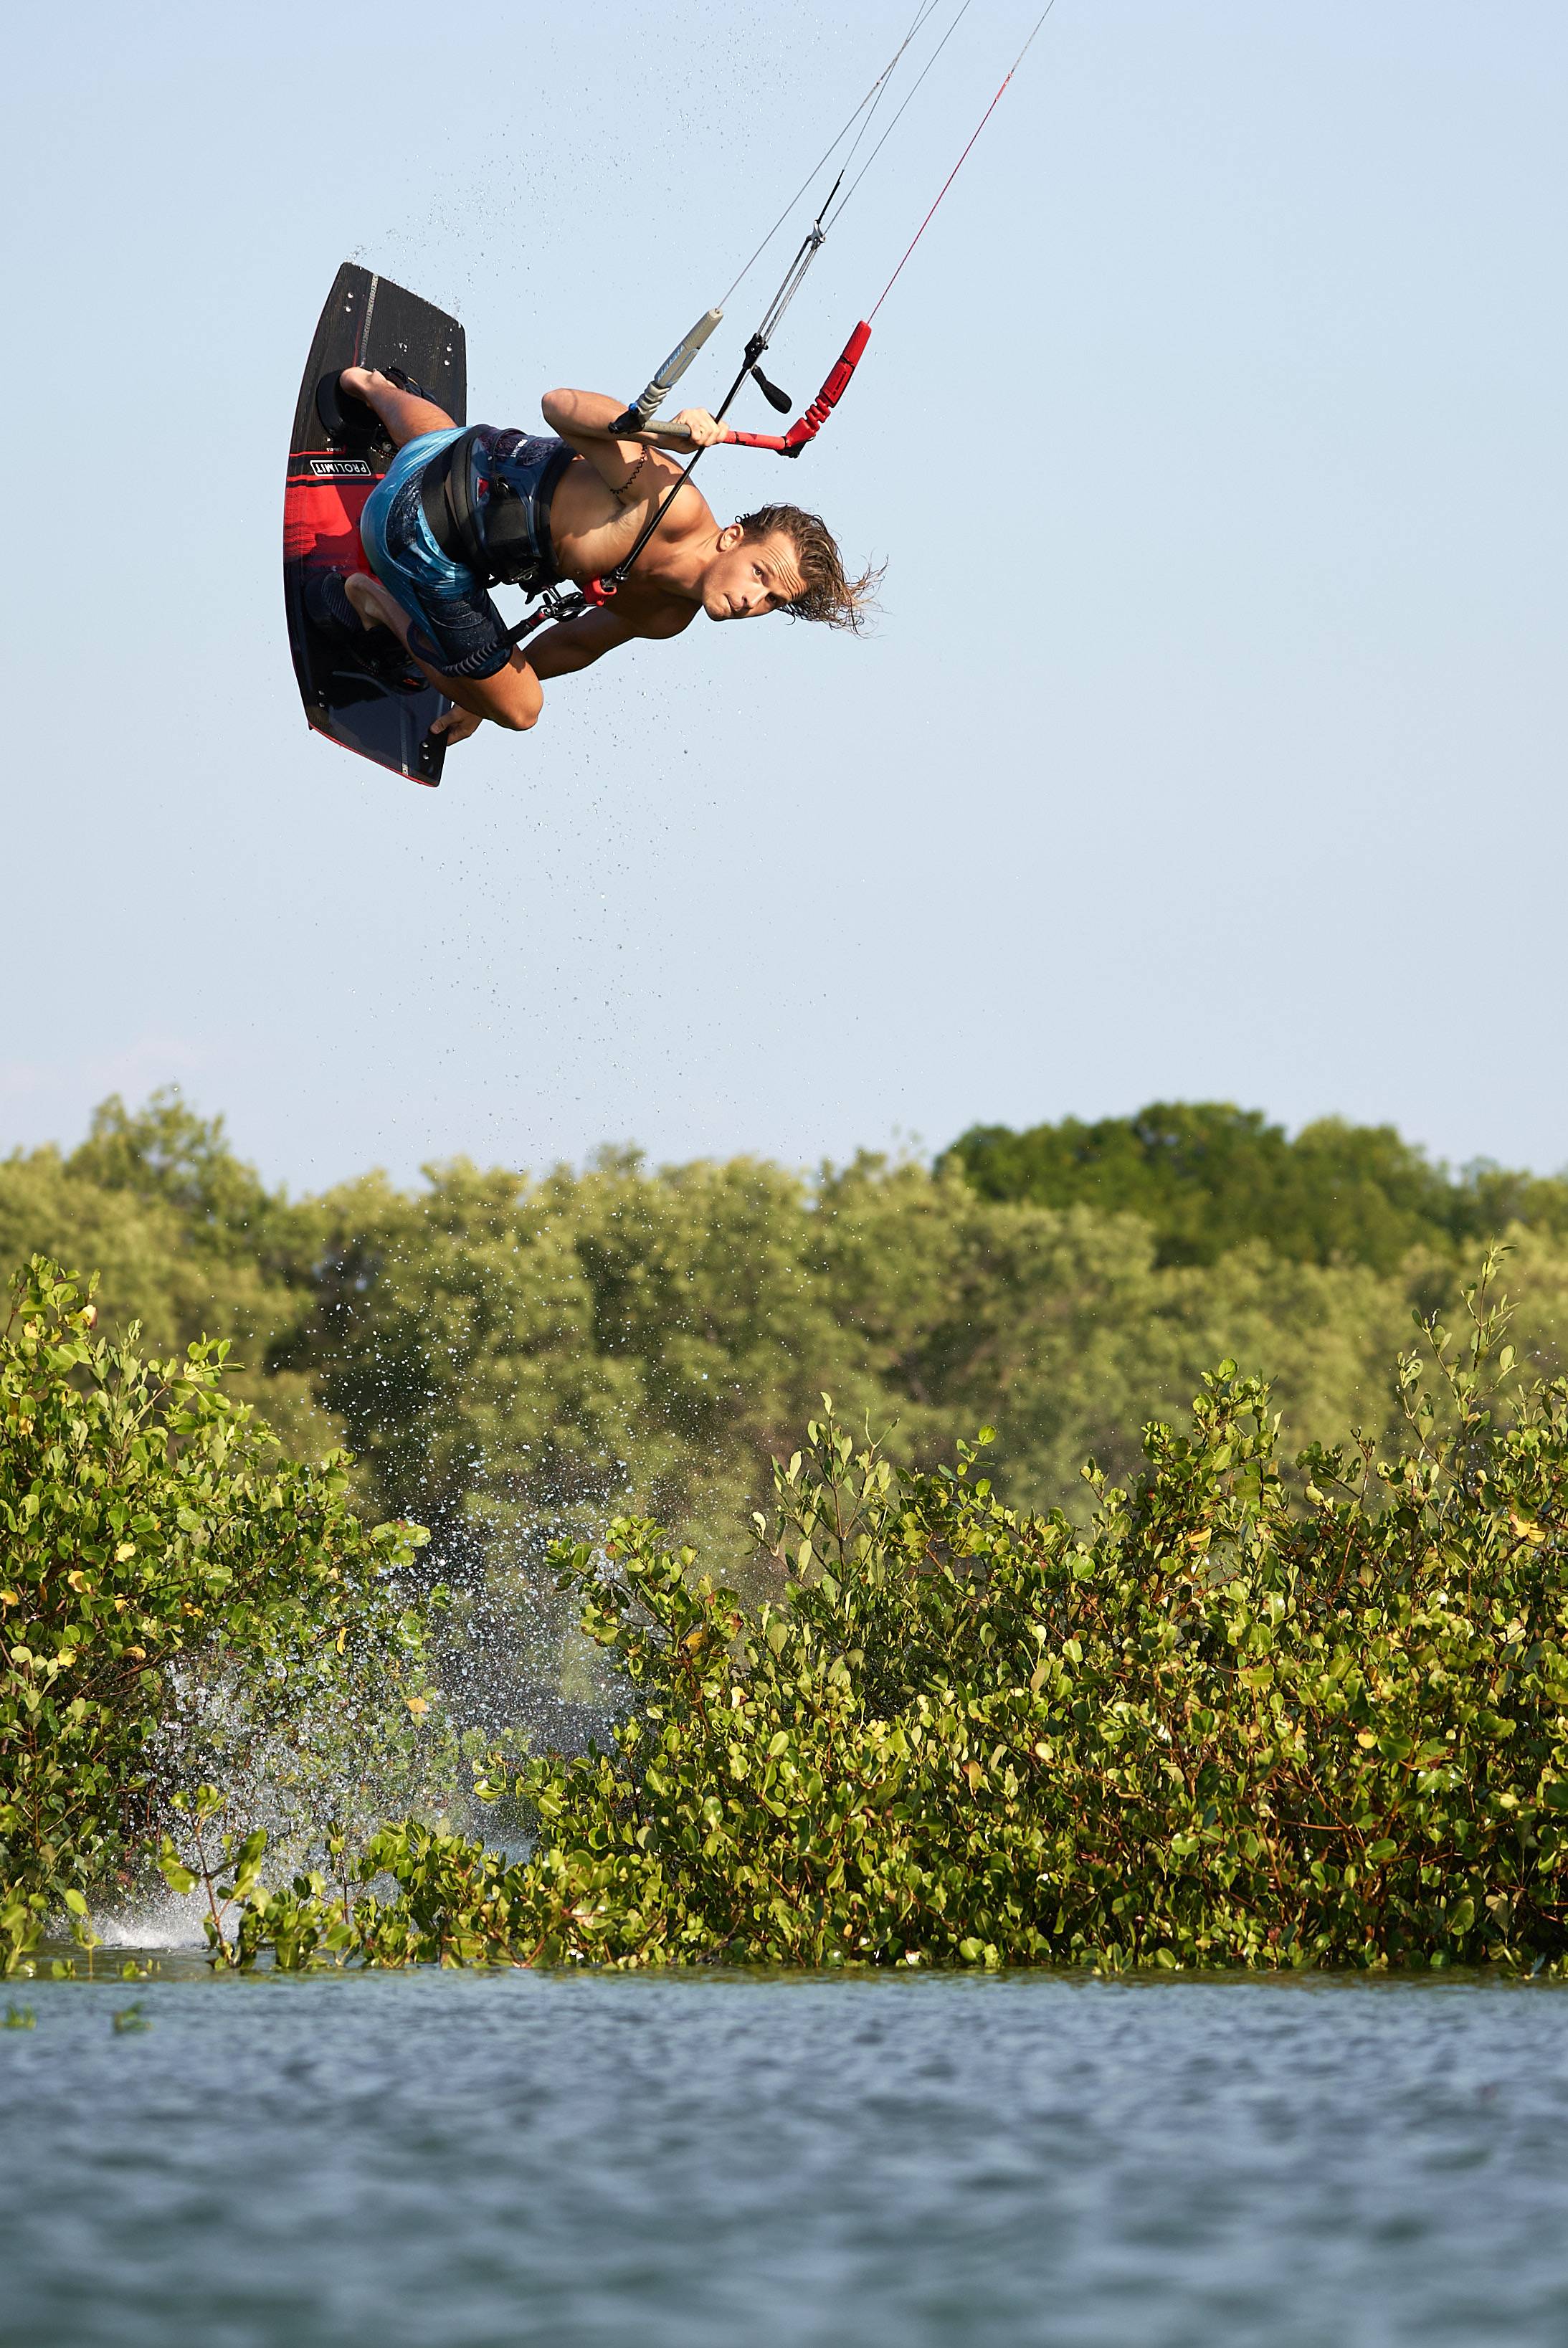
(486, 500)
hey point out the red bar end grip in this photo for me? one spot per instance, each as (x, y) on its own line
(807, 426)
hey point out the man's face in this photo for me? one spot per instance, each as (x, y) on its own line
(749, 576)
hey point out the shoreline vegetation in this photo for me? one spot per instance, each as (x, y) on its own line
(1257, 1697)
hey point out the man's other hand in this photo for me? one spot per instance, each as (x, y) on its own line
(456, 725)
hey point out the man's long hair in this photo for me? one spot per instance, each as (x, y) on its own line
(829, 595)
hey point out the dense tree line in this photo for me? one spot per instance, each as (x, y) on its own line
(513, 1358)
(1207, 1177)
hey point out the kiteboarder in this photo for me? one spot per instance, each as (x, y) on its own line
(460, 511)
(398, 520)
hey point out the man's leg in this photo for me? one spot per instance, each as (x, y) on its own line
(512, 699)
(405, 415)
(455, 617)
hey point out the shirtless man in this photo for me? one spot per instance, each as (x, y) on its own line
(460, 511)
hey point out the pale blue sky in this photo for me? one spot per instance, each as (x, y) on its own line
(1210, 745)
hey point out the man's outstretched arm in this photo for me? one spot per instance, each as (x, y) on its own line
(578, 415)
(577, 643)
(562, 651)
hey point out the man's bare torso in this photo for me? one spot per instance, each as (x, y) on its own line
(593, 531)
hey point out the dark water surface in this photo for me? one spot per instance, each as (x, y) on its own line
(453, 2161)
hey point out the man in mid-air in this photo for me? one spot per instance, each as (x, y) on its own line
(461, 509)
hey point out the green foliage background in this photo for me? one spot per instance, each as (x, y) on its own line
(512, 1359)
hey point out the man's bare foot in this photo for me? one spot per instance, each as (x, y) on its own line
(374, 607)
(403, 410)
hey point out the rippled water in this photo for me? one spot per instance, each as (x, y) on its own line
(473, 2162)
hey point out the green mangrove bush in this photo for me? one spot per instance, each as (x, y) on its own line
(1237, 1722)
(155, 1555)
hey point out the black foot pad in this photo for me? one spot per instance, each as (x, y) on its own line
(346, 420)
(327, 605)
(333, 617)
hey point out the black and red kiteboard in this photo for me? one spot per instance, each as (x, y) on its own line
(363, 694)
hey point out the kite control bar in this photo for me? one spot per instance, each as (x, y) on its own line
(804, 429)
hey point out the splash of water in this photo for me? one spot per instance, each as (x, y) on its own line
(161, 1919)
